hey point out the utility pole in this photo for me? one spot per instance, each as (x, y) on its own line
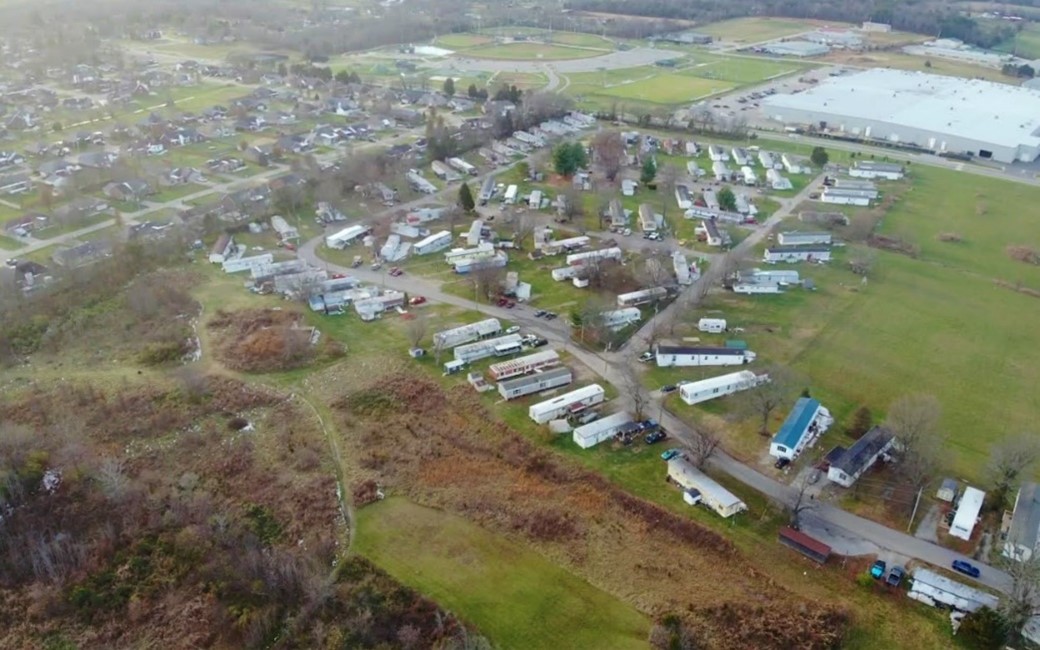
(912, 514)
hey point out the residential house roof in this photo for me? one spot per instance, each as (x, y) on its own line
(862, 452)
(798, 420)
(84, 253)
(1025, 521)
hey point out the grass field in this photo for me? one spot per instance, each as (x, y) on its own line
(522, 80)
(462, 41)
(9, 244)
(667, 89)
(755, 30)
(532, 52)
(1025, 44)
(514, 595)
(901, 61)
(581, 40)
(742, 70)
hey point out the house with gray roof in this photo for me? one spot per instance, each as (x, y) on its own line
(1024, 533)
(847, 467)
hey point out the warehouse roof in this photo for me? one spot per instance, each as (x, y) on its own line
(967, 108)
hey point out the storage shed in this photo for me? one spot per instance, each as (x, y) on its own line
(947, 490)
(811, 548)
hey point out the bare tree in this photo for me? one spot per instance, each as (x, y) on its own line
(487, 279)
(654, 273)
(1022, 602)
(416, 329)
(862, 260)
(608, 150)
(704, 441)
(667, 178)
(573, 205)
(801, 504)
(915, 421)
(523, 227)
(112, 479)
(769, 396)
(634, 389)
(1010, 460)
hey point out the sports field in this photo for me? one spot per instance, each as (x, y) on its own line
(532, 52)
(668, 89)
(512, 594)
(743, 70)
(755, 30)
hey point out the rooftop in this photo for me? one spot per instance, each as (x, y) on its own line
(863, 450)
(797, 422)
(669, 349)
(967, 108)
(1025, 523)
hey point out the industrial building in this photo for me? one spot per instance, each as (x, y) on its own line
(967, 513)
(575, 401)
(711, 494)
(536, 383)
(797, 254)
(593, 433)
(477, 350)
(524, 365)
(467, 333)
(706, 389)
(806, 422)
(944, 114)
(670, 356)
(795, 48)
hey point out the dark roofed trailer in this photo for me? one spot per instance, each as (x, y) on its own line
(813, 549)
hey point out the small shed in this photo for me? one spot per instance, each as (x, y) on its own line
(948, 490)
(811, 548)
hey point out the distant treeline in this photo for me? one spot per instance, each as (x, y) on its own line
(918, 16)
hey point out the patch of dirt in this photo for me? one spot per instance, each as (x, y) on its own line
(266, 340)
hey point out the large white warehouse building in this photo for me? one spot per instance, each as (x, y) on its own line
(944, 114)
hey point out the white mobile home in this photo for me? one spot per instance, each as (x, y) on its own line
(806, 422)
(708, 389)
(495, 261)
(935, 589)
(565, 245)
(642, 297)
(647, 218)
(693, 169)
(589, 257)
(457, 256)
(618, 219)
(420, 184)
(394, 250)
(967, 516)
(536, 383)
(682, 197)
(750, 177)
(477, 350)
(467, 333)
(443, 172)
(487, 190)
(721, 171)
(534, 201)
(711, 199)
(717, 153)
(524, 365)
(575, 401)
(856, 184)
(461, 166)
(284, 230)
(475, 232)
(796, 238)
(681, 266)
(510, 196)
(871, 169)
(620, 318)
(346, 237)
(847, 197)
(797, 254)
(740, 156)
(435, 243)
(793, 165)
(674, 356)
(593, 433)
(766, 160)
(247, 263)
(565, 273)
(777, 181)
(712, 325)
(713, 495)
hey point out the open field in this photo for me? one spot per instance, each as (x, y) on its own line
(516, 596)
(901, 61)
(755, 30)
(667, 89)
(581, 40)
(522, 80)
(532, 52)
(742, 70)
(1025, 44)
(462, 41)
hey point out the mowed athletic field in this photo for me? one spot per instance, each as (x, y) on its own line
(1025, 44)
(529, 51)
(938, 324)
(511, 593)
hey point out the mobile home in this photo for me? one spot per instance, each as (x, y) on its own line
(575, 401)
(672, 356)
(524, 365)
(477, 350)
(647, 218)
(433, 244)
(806, 422)
(645, 296)
(467, 333)
(535, 383)
(712, 325)
(690, 479)
(708, 389)
(346, 237)
(593, 433)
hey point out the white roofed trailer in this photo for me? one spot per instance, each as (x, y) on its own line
(476, 230)
(713, 495)
(682, 268)
(487, 190)
(636, 298)
(467, 333)
(708, 389)
(247, 263)
(462, 166)
(510, 195)
(750, 178)
(619, 318)
(717, 153)
(524, 365)
(575, 401)
(443, 172)
(565, 245)
(711, 200)
(668, 356)
(536, 383)
(647, 218)
(565, 273)
(712, 325)
(434, 243)
(720, 170)
(592, 256)
(872, 169)
(682, 197)
(483, 349)
(346, 237)
(534, 201)
(457, 256)
(593, 433)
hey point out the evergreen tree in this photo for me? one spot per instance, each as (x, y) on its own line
(819, 156)
(449, 87)
(649, 171)
(727, 199)
(466, 198)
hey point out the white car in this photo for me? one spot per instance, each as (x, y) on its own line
(513, 330)
(646, 356)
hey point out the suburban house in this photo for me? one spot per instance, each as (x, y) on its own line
(570, 403)
(696, 483)
(812, 253)
(707, 389)
(16, 183)
(967, 516)
(668, 356)
(132, 190)
(535, 383)
(83, 254)
(851, 463)
(1023, 535)
(806, 422)
(601, 430)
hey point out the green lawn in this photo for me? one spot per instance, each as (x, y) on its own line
(462, 41)
(581, 40)
(532, 52)
(742, 70)
(61, 229)
(9, 244)
(175, 192)
(512, 594)
(1025, 44)
(667, 89)
(754, 30)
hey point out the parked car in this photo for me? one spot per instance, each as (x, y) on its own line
(539, 343)
(12, 262)
(338, 276)
(670, 454)
(376, 266)
(646, 356)
(895, 576)
(396, 271)
(877, 571)
(416, 300)
(656, 436)
(513, 330)
(782, 463)
(540, 313)
(670, 388)
(550, 315)
(966, 568)
(501, 302)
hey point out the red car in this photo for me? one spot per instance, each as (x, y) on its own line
(396, 271)
(416, 300)
(502, 302)
(338, 276)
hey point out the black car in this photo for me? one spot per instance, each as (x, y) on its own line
(656, 436)
(670, 388)
(540, 313)
(539, 343)
(550, 315)
(782, 463)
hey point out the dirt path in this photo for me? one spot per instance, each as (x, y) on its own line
(345, 506)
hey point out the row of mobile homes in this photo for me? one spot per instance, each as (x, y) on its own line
(647, 218)
(570, 403)
(967, 516)
(673, 356)
(692, 480)
(681, 266)
(475, 233)
(467, 333)
(860, 198)
(346, 237)
(591, 257)
(461, 166)
(882, 170)
(797, 238)
(443, 172)
(683, 198)
(861, 456)
(708, 389)
(593, 433)
(642, 297)
(524, 365)
(477, 350)
(778, 181)
(370, 308)
(810, 253)
(620, 318)
(712, 325)
(806, 422)
(435, 243)
(535, 383)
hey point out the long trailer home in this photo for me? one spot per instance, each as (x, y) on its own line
(536, 383)
(570, 403)
(710, 493)
(675, 356)
(524, 365)
(598, 431)
(477, 350)
(467, 333)
(712, 387)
